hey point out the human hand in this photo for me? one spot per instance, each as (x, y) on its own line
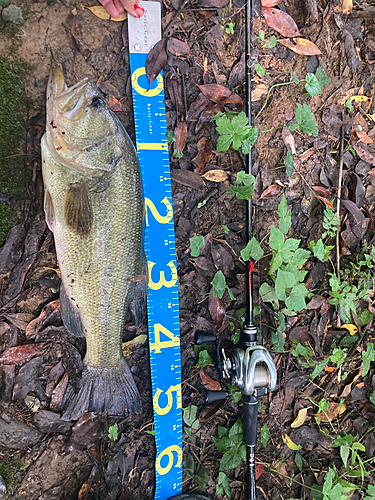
(116, 7)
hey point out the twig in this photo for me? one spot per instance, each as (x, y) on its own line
(341, 163)
(177, 13)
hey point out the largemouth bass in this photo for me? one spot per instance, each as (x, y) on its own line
(94, 207)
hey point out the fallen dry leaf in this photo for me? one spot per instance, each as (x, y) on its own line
(290, 444)
(347, 6)
(259, 91)
(270, 3)
(322, 191)
(188, 178)
(114, 103)
(21, 353)
(272, 191)
(156, 60)
(300, 419)
(333, 412)
(132, 345)
(178, 48)
(280, 21)
(200, 104)
(208, 382)
(101, 13)
(180, 136)
(301, 46)
(324, 200)
(363, 154)
(351, 328)
(207, 115)
(215, 92)
(216, 175)
(204, 153)
(216, 306)
(288, 139)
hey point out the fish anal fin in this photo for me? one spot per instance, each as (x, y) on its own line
(70, 315)
(49, 210)
(78, 210)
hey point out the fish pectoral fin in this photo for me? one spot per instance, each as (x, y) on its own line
(49, 210)
(70, 315)
(78, 209)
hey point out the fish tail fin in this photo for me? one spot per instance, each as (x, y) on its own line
(105, 390)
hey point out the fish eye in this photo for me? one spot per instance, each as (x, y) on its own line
(97, 102)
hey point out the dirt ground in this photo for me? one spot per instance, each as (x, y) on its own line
(45, 457)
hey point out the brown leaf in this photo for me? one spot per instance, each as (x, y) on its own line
(208, 382)
(347, 6)
(178, 48)
(333, 411)
(216, 175)
(215, 92)
(109, 89)
(288, 139)
(21, 354)
(204, 153)
(234, 99)
(216, 306)
(301, 46)
(324, 200)
(58, 394)
(363, 154)
(213, 3)
(300, 333)
(156, 60)
(174, 91)
(270, 3)
(86, 432)
(200, 104)
(280, 21)
(188, 178)
(207, 115)
(272, 191)
(180, 136)
(322, 191)
(209, 410)
(259, 91)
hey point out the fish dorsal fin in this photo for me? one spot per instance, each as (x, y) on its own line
(49, 210)
(70, 315)
(78, 210)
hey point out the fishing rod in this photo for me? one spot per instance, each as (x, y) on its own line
(250, 365)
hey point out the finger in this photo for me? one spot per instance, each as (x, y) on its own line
(119, 6)
(110, 8)
(133, 7)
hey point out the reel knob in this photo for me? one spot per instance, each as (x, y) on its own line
(203, 337)
(211, 396)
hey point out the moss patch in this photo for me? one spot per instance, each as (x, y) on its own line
(9, 466)
(12, 131)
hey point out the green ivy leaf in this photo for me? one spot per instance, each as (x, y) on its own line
(264, 435)
(276, 240)
(259, 69)
(319, 368)
(267, 293)
(367, 357)
(318, 250)
(298, 461)
(306, 120)
(224, 481)
(312, 85)
(296, 300)
(189, 465)
(322, 77)
(219, 284)
(270, 43)
(284, 281)
(190, 414)
(196, 243)
(289, 163)
(202, 478)
(300, 257)
(252, 251)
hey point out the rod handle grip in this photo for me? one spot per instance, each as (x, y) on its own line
(250, 419)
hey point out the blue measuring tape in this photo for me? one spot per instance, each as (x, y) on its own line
(160, 249)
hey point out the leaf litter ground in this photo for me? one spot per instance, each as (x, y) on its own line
(324, 401)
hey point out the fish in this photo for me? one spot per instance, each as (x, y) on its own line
(94, 207)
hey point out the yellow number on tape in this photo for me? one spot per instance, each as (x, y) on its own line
(162, 281)
(161, 344)
(169, 452)
(168, 393)
(163, 219)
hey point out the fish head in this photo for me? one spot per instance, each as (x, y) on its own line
(81, 129)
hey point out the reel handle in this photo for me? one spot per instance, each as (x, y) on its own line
(203, 337)
(211, 396)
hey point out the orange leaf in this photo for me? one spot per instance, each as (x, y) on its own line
(280, 21)
(180, 136)
(322, 190)
(204, 153)
(324, 200)
(301, 46)
(347, 6)
(330, 369)
(270, 192)
(21, 353)
(214, 91)
(114, 103)
(332, 412)
(270, 3)
(208, 382)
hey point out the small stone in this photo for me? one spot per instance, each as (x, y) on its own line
(40, 82)
(12, 13)
(3, 488)
(16, 435)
